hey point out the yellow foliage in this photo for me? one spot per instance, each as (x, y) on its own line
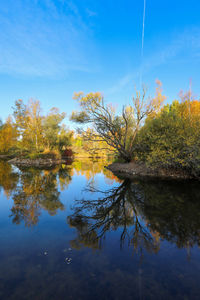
(8, 136)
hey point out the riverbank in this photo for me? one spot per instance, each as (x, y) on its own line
(6, 156)
(125, 170)
(133, 169)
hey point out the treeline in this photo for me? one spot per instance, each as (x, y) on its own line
(30, 133)
(166, 136)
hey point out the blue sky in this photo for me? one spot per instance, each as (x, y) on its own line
(51, 48)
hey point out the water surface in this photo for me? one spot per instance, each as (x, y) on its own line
(79, 232)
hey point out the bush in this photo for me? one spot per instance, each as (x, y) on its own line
(68, 153)
(171, 140)
(53, 154)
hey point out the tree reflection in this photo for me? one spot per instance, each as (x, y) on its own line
(8, 178)
(38, 189)
(173, 210)
(90, 167)
(114, 209)
(143, 212)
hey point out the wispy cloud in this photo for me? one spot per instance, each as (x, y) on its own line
(185, 45)
(90, 12)
(122, 83)
(41, 38)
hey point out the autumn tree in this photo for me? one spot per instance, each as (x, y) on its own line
(34, 124)
(118, 131)
(37, 132)
(8, 136)
(28, 121)
(19, 114)
(172, 138)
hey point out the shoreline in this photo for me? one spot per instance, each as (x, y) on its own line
(124, 170)
(6, 156)
(140, 170)
(38, 162)
(41, 162)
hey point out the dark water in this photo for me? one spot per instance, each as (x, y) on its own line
(78, 232)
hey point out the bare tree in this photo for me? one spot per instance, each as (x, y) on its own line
(118, 131)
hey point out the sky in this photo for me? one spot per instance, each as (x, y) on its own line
(50, 49)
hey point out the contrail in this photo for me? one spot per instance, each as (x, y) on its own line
(142, 49)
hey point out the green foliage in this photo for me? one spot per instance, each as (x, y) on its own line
(172, 138)
(119, 160)
(65, 138)
(52, 127)
(34, 155)
(53, 154)
(79, 117)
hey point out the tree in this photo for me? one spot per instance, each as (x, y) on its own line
(34, 124)
(19, 114)
(118, 131)
(52, 127)
(28, 121)
(37, 132)
(1, 124)
(8, 136)
(65, 138)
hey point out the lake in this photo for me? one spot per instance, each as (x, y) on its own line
(79, 232)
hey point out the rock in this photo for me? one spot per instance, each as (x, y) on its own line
(39, 162)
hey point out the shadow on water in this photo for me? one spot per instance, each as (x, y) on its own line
(157, 221)
(143, 212)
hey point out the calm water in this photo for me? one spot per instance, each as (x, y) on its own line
(78, 232)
